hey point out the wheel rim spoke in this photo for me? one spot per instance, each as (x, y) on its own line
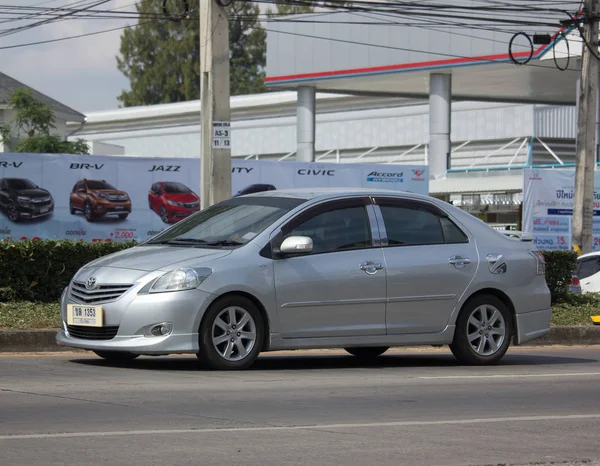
(243, 321)
(248, 335)
(473, 336)
(242, 351)
(220, 340)
(222, 325)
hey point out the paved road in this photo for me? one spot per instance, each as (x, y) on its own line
(410, 407)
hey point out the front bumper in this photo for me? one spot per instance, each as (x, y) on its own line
(104, 207)
(134, 314)
(30, 211)
(178, 213)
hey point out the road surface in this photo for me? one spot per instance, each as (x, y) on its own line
(414, 407)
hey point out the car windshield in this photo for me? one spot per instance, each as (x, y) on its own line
(20, 184)
(99, 185)
(234, 222)
(176, 188)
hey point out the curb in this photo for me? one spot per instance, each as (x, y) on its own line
(43, 341)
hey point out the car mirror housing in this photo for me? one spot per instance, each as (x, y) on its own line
(296, 245)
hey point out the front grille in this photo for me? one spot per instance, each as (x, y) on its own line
(191, 205)
(92, 333)
(117, 197)
(100, 294)
(40, 200)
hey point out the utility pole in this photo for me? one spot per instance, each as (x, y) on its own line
(215, 154)
(583, 202)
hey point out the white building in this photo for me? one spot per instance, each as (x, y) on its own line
(491, 142)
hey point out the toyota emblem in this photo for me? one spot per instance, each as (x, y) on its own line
(91, 283)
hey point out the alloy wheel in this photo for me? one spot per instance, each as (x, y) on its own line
(233, 333)
(486, 330)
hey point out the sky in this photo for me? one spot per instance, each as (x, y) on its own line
(82, 72)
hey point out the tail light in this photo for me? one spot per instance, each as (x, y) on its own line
(540, 262)
(574, 281)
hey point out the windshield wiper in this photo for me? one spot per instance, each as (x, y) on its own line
(224, 242)
(193, 241)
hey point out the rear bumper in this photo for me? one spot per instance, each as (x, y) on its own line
(532, 325)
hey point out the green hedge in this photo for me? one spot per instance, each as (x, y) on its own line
(40, 270)
(559, 267)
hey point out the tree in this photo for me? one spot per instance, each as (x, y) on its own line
(285, 7)
(162, 58)
(35, 120)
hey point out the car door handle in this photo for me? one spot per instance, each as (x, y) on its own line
(458, 261)
(371, 267)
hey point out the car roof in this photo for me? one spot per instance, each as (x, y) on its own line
(326, 193)
(589, 254)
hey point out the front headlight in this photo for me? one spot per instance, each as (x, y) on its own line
(103, 195)
(179, 280)
(173, 203)
(24, 199)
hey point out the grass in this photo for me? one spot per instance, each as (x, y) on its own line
(576, 309)
(571, 310)
(27, 315)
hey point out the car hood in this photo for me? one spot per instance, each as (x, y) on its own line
(188, 197)
(34, 192)
(150, 258)
(108, 191)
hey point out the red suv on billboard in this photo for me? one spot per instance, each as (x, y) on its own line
(173, 201)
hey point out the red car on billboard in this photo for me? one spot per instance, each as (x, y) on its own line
(172, 200)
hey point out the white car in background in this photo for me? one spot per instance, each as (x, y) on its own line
(588, 272)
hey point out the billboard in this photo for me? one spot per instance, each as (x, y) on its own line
(548, 208)
(110, 198)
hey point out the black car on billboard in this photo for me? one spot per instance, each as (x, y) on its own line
(22, 199)
(256, 188)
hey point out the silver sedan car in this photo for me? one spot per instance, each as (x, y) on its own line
(362, 270)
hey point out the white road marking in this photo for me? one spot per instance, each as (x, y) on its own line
(510, 376)
(301, 427)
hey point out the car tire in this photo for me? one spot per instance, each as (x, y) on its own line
(216, 346)
(123, 216)
(13, 214)
(88, 212)
(72, 209)
(164, 216)
(117, 356)
(484, 330)
(367, 352)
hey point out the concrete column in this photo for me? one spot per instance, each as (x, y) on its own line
(440, 99)
(305, 125)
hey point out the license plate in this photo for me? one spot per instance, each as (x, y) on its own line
(119, 207)
(89, 316)
(43, 211)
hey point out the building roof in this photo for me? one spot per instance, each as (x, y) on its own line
(358, 53)
(9, 85)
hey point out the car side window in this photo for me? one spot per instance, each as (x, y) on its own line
(587, 268)
(452, 233)
(339, 229)
(2, 184)
(411, 224)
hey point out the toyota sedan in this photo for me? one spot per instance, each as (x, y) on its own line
(363, 270)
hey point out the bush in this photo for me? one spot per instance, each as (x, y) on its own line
(559, 268)
(40, 270)
(576, 309)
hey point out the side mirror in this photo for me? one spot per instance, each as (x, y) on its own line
(297, 245)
